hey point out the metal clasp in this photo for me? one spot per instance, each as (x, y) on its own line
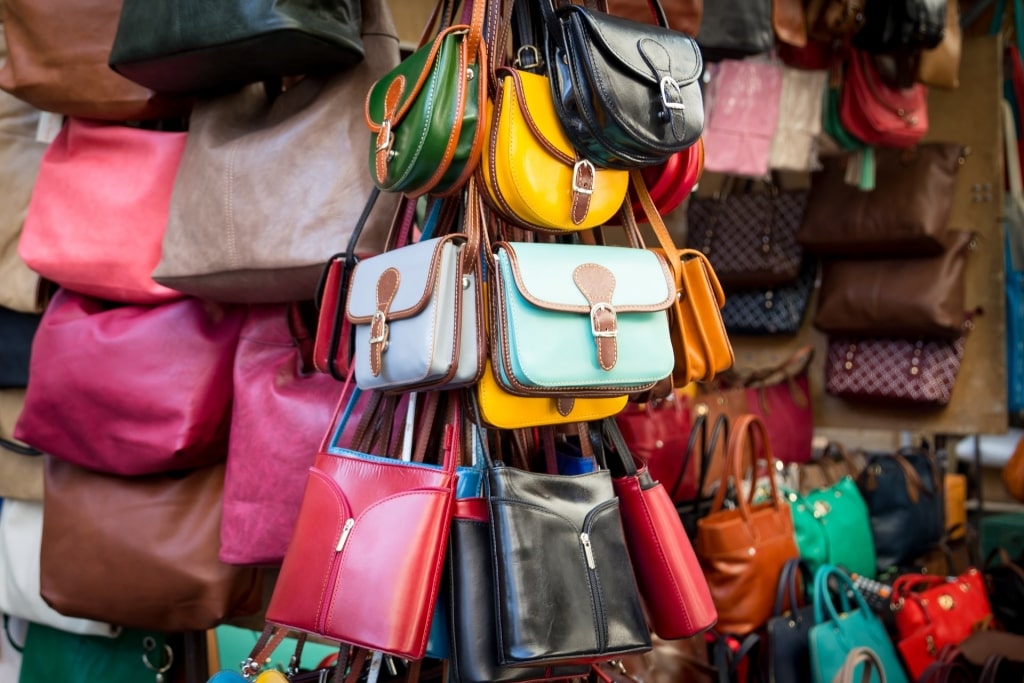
(382, 336)
(594, 310)
(385, 129)
(532, 52)
(577, 167)
(670, 84)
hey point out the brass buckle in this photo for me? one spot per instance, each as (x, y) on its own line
(533, 52)
(385, 129)
(576, 168)
(382, 336)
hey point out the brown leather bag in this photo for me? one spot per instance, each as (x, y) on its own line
(682, 15)
(57, 62)
(742, 550)
(940, 67)
(1013, 472)
(919, 297)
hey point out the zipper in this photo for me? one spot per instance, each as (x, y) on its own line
(335, 568)
(595, 601)
(345, 531)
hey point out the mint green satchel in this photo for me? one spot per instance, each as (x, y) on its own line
(832, 526)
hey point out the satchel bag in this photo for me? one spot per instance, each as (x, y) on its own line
(778, 310)
(169, 578)
(21, 468)
(932, 612)
(742, 550)
(57, 61)
(532, 174)
(606, 306)
(749, 237)
(627, 93)
(907, 213)
(230, 44)
(920, 297)
(424, 114)
(159, 413)
(833, 527)
(677, 597)
(99, 210)
(835, 634)
(18, 329)
(903, 25)
(788, 645)
(230, 235)
(903, 493)
(1004, 581)
(357, 508)
(878, 114)
(904, 371)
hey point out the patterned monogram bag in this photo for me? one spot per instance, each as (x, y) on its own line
(771, 310)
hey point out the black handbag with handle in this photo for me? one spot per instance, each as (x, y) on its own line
(788, 644)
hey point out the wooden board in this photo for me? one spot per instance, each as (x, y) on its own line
(969, 115)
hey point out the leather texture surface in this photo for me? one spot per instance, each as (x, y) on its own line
(90, 568)
(270, 186)
(575, 599)
(229, 44)
(99, 210)
(163, 411)
(832, 526)
(21, 475)
(626, 93)
(18, 330)
(907, 214)
(906, 25)
(734, 28)
(657, 433)
(773, 310)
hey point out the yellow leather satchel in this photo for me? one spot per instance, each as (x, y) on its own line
(532, 173)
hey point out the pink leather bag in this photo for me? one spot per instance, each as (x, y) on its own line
(742, 104)
(131, 390)
(96, 219)
(282, 408)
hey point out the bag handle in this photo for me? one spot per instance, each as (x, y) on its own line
(794, 570)
(746, 431)
(268, 641)
(823, 600)
(15, 447)
(858, 656)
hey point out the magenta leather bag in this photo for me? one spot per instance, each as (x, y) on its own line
(282, 408)
(742, 114)
(95, 222)
(131, 390)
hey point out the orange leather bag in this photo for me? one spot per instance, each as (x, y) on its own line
(742, 550)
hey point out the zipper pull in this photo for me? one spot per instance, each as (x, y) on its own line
(349, 523)
(587, 550)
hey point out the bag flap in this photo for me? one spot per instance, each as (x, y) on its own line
(549, 276)
(531, 93)
(418, 267)
(646, 51)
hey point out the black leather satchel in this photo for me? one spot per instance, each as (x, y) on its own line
(789, 655)
(17, 330)
(627, 93)
(901, 25)
(565, 592)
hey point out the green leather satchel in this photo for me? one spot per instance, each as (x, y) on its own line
(423, 114)
(832, 526)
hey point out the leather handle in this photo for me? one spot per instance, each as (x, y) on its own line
(990, 672)
(794, 570)
(823, 600)
(746, 429)
(15, 447)
(856, 657)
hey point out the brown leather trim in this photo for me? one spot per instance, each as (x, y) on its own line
(584, 176)
(520, 99)
(598, 285)
(476, 149)
(387, 288)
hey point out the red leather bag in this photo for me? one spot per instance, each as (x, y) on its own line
(657, 433)
(877, 114)
(671, 182)
(669, 577)
(364, 564)
(96, 220)
(131, 390)
(931, 612)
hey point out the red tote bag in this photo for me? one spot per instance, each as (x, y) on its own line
(96, 220)
(131, 390)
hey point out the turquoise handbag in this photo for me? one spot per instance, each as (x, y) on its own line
(834, 635)
(832, 526)
(580, 320)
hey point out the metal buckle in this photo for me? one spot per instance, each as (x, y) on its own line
(603, 306)
(533, 52)
(669, 83)
(385, 128)
(582, 163)
(378, 316)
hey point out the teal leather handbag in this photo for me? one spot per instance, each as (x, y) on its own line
(579, 320)
(832, 526)
(834, 634)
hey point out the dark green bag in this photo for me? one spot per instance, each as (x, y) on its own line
(132, 657)
(184, 46)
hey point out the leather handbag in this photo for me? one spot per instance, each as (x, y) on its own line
(904, 498)
(742, 550)
(99, 210)
(231, 235)
(657, 432)
(133, 656)
(583, 575)
(21, 468)
(833, 527)
(682, 15)
(424, 114)
(743, 103)
(932, 612)
(533, 175)
(878, 114)
(1004, 581)
(358, 508)
(907, 214)
(903, 25)
(778, 310)
(161, 412)
(748, 236)
(627, 93)
(708, 441)
(792, 618)
(606, 306)
(940, 66)
(830, 467)
(672, 182)
(21, 533)
(736, 28)
(921, 297)
(859, 656)
(828, 20)
(92, 567)
(232, 44)
(57, 62)
(917, 372)
(669, 577)
(281, 407)
(836, 633)
(795, 143)
(18, 329)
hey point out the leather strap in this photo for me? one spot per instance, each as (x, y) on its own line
(268, 641)
(856, 657)
(15, 447)
(748, 432)
(990, 672)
